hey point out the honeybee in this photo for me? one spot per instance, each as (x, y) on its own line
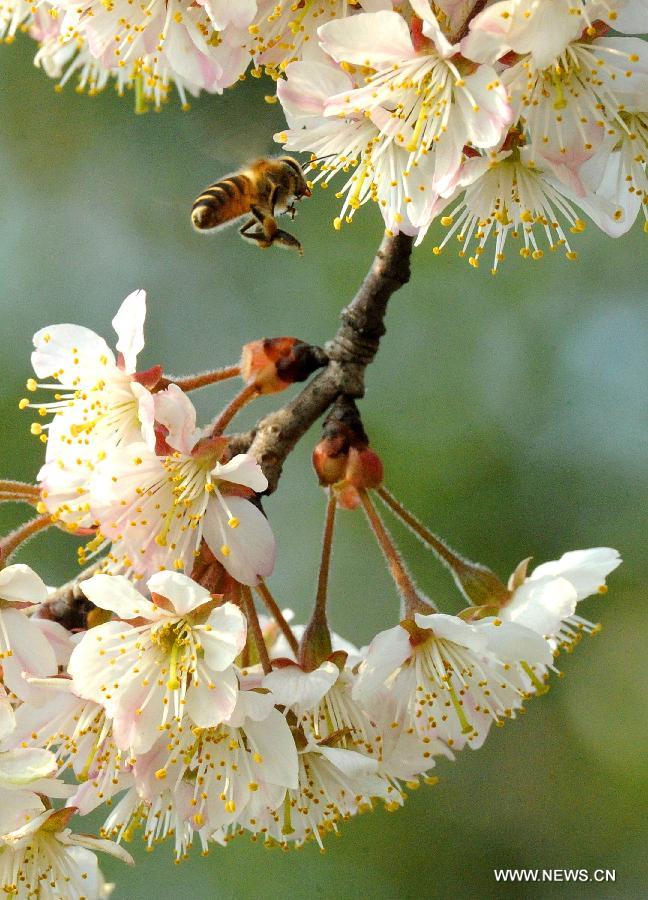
(267, 188)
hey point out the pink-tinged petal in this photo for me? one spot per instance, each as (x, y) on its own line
(586, 570)
(138, 715)
(385, 654)
(224, 13)
(512, 642)
(292, 686)
(92, 668)
(242, 469)
(183, 593)
(251, 545)
(30, 653)
(7, 716)
(542, 604)
(43, 721)
(117, 594)
(70, 351)
(176, 412)
(210, 702)
(272, 740)
(58, 637)
(488, 124)
(20, 584)
(368, 39)
(223, 636)
(488, 38)
(306, 88)
(432, 29)
(23, 765)
(145, 412)
(16, 808)
(129, 327)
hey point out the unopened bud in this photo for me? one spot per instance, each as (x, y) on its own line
(364, 469)
(315, 645)
(271, 364)
(330, 458)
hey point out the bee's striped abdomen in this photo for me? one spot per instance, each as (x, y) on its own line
(222, 202)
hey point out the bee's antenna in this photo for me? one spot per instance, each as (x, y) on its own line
(320, 158)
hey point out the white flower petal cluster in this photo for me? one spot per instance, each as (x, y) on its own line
(523, 120)
(125, 462)
(159, 713)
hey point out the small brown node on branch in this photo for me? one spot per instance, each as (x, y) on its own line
(272, 364)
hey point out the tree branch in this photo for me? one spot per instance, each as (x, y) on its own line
(351, 350)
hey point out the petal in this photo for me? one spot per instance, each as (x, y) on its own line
(183, 592)
(117, 594)
(292, 686)
(100, 845)
(251, 545)
(386, 653)
(351, 763)
(26, 764)
(176, 412)
(20, 584)
(17, 807)
(68, 352)
(7, 716)
(585, 569)
(541, 604)
(242, 469)
(223, 636)
(129, 326)
(208, 703)
(368, 39)
(452, 629)
(30, 653)
(90, 665)
(273, 742)
(512, 642)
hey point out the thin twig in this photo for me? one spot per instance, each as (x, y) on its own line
(194, 382)
(277, 615)
(249, 392)
(404, 582)
(10, 543)
(255, 627)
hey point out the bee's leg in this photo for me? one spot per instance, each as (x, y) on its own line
(288, 240)
(245, 232)
(273, 234)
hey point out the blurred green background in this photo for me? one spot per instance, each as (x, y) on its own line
(511, 416)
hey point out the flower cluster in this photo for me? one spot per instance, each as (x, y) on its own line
(511, 123)
(510, 119)
(172, 700)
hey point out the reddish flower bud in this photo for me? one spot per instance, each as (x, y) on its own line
(364, 469)
(271, 364)
(330, 459)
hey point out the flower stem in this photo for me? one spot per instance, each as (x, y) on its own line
(315, 644)
(277, 615)
(255, 627)
(435, 543)
(194, 382)
(404, 582)
(248, 393)
(10, 543)
(14, 489)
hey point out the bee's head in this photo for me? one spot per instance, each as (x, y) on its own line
(301, 188)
